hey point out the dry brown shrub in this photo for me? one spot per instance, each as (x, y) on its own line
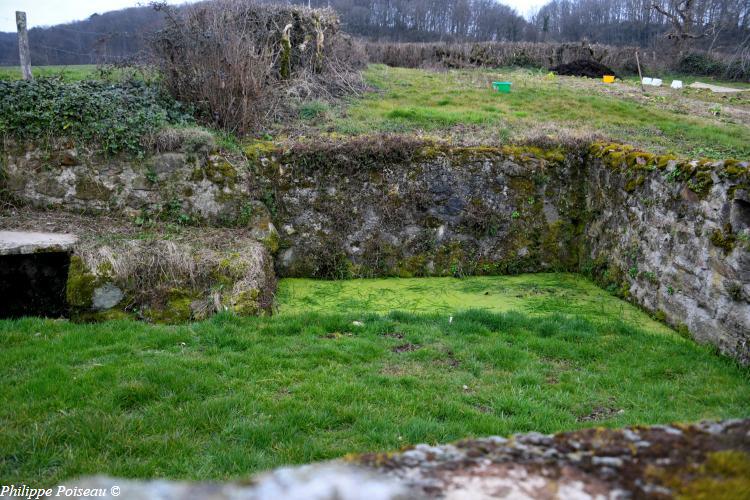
(244, 65)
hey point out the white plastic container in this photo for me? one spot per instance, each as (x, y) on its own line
(676, 84)
(656, 82)
(647, 81)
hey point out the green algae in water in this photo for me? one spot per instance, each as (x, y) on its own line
(535, 294)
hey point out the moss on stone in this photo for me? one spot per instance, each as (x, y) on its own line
(701, 183)
(734, 170)
(634, 182)
(725, 239)
(412, 266)
(176, 309)
(246, 303)
(218, 171)
(723, 474)
(663, 161)
(271, 241)
(81, 284)
(256, 150)
(229, 270)
(557, 248)
(87, 188)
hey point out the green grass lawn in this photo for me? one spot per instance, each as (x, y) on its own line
(229, 396)
(411, 100)
(532, 294)
(67, 73)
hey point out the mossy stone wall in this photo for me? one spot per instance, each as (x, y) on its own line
(668, 234)
(436, 211)
(677, 242)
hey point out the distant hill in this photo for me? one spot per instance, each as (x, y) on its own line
(102, 37)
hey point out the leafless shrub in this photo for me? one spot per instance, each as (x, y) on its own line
(244, 64)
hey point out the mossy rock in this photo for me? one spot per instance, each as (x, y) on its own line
(217, 170)
(176, 309)
(88, 188)
(634, 182)
(246, 303)
(257, 150)
(79, 291)
(725, 239)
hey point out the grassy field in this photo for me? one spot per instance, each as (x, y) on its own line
(68, 73)
(230, 396)
(462, 103)
(76, 72)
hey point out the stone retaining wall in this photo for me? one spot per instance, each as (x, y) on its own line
(670, 235)
(436, 211)
(674, 237)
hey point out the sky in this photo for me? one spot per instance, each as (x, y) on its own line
(51, 12)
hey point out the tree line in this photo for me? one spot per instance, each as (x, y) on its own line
(721, 25)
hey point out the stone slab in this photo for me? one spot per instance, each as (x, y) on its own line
(715, 88)
(25, 243)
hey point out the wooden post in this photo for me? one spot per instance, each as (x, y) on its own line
(23, 46)
(640, 75)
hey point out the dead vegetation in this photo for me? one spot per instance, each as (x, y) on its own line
(501, 54)
(243, 64)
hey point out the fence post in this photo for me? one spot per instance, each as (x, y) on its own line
(23, 46)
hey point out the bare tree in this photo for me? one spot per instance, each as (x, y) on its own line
(681, 15)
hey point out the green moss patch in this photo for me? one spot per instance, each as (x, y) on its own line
(533, 294)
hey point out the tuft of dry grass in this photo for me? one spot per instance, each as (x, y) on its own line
(184, 139)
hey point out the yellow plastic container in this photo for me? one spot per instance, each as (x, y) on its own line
(609, 78)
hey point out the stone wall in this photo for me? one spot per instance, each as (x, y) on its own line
(377, 208)
(674, 237)
(205, 186)
(670, 235)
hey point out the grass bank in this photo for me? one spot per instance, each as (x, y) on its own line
(462, 103)
(230, 396)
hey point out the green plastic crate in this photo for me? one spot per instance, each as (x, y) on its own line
(502, 87)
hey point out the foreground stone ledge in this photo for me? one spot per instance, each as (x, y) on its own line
(709, 459)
